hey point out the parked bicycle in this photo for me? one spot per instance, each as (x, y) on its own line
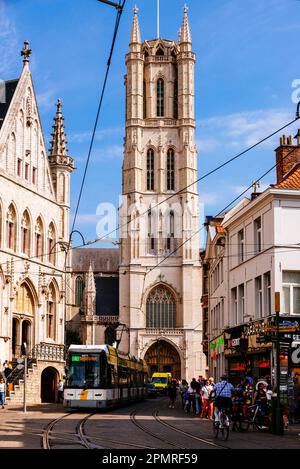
(257, 417)
(222, 425)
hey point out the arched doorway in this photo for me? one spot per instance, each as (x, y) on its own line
(15, 337)
(162, 356)
(26, 335)
(49, 380)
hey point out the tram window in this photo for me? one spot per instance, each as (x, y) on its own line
(86, 370)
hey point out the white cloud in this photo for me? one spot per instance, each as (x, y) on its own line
(85, 136)
(243, 129)
(8, 43)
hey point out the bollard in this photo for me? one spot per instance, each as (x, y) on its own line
(277, 417)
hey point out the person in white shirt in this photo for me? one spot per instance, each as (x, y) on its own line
(2, 392)
(60, 391)
(207, 406)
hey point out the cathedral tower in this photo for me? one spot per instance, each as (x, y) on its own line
(160, 276)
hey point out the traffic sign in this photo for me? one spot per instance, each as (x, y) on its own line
(20, 360)
(20, 367)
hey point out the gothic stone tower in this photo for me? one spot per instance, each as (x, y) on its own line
(160, 274)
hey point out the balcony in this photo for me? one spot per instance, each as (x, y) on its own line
(165, 332)
(48, 352)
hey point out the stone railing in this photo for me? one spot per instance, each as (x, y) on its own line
(49, 352)
(108, 319)
(161, 331)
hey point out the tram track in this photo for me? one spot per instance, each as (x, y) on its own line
(156, 416)
(151, 433)
(49, 433)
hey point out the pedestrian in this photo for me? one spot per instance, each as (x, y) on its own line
(206, 401)
(183, 387)
(195, 385)
(2, 392)
(172, 392)
(60, 391)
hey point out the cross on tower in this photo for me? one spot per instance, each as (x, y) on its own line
(26, 52)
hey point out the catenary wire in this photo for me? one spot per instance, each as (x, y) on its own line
(98, 239)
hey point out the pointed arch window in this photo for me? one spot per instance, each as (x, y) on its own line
(175, 99)
(51, 313)
(151, 238)
(11, 228)
(144, 100)
(160, 93)
(39, 240)
(51, 244)
(170, 170)
(79, 287)
(25, 234)
(150, 170)
(161, 309)
(170, 244)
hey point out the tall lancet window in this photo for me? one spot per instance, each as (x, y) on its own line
(144, 100)
(176, 99)
(11, 228)
(150, 170)
(25, 234)
(39, 240)
(170, 170)
(51, 313)
(51, 244)
(160, 92)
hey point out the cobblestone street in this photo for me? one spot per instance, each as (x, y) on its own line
(149, 425)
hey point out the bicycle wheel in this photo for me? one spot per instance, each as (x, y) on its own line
(216, 428)
(242, 425)
(224, 427)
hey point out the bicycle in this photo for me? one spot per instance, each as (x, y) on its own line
(222, 424)
(257, 418)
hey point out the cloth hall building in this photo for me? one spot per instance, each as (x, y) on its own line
(34, 229)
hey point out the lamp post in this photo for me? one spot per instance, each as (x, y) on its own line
(278, 427)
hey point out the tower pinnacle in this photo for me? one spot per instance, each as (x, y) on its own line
(185, 32)
(58, 142)
(135, 36)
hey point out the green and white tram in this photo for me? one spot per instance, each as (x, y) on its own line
(101, 377)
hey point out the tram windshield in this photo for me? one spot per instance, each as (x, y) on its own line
(86, 370)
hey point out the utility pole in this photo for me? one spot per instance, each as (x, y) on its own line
(278, 427)
(25, 377)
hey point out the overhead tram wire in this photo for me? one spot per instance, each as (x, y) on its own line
(209, 173)
(222, 211)
(96, 240)
(120, 7)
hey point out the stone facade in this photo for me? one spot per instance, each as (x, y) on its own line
(160, 268)
(34, 222)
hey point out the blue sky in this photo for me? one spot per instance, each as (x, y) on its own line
(247, 60)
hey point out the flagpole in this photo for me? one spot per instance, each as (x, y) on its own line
(158, 32)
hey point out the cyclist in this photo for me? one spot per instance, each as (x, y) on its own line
(223, 391)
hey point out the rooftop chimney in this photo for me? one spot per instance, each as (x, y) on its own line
(287, 155)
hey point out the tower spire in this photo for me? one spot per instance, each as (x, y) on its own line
(185, 32)
(58, 142)
(135, 36)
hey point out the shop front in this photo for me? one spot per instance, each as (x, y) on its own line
(245, 355)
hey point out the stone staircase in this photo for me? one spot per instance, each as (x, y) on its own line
(16, 394)
(42, 357)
